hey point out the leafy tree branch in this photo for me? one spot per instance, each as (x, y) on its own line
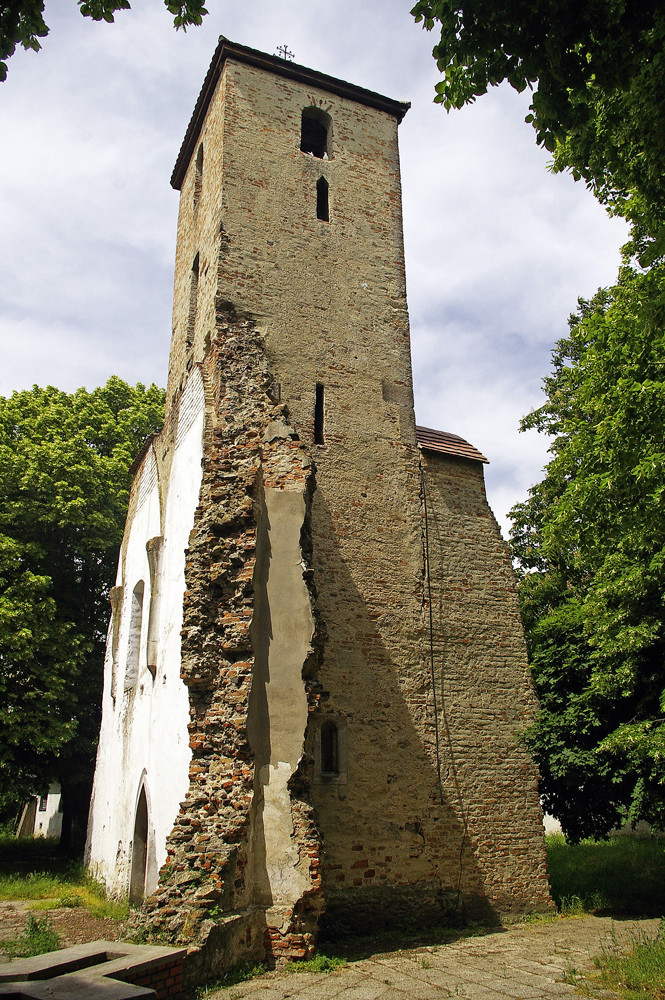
(22, 21)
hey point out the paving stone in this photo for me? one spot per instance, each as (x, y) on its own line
(523, 962)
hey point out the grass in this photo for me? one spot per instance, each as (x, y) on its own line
(623, 876)
(634, 974)
(38, 938)
(320, 963)
(638, 974)
(33, 869)
(70, 889)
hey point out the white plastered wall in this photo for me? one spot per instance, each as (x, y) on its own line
(143, 739)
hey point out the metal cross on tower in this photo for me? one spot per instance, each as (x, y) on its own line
(284, 52)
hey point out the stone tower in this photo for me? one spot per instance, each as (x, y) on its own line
(316, 673)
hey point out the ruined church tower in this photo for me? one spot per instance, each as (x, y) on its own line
(315, 674)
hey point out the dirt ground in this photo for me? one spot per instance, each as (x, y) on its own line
(73, 925)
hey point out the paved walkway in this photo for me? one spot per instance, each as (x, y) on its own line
(522, 962)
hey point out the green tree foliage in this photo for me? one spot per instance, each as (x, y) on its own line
(596, 69)
(64, 487)
(22, 21)
(591, 543)
(590, 539)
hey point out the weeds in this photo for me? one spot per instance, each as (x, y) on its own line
(38, 938)
(572, 906)
(320, 963)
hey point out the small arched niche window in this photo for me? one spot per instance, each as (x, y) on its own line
(329, 748)
(135, 626)
(315, 133)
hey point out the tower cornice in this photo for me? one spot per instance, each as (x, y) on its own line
(282, 67)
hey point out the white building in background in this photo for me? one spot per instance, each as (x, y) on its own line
(42, 815)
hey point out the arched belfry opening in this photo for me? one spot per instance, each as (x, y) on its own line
(139, 850)
(316, 133)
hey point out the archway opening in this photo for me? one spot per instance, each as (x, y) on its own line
(139, 851)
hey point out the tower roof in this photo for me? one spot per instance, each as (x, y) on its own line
(273, 64)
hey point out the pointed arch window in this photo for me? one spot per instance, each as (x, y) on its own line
(154, 548)
(116, 595)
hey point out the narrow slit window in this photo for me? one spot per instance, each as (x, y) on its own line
(318, 414)
(198, 176)
(315, 133)
(193, 297)
(322, 210)
(329, 748)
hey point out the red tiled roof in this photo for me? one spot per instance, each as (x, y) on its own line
(447, 444)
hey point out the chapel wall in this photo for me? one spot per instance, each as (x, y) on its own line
(485, 693)
(143, 742)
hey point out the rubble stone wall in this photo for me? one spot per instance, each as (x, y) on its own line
(211, 894)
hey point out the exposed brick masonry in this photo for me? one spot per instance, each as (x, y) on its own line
(203, 882)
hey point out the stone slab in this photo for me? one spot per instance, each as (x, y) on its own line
(75, 987)
(91, 971)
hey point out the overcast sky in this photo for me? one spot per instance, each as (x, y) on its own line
(497, 248)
